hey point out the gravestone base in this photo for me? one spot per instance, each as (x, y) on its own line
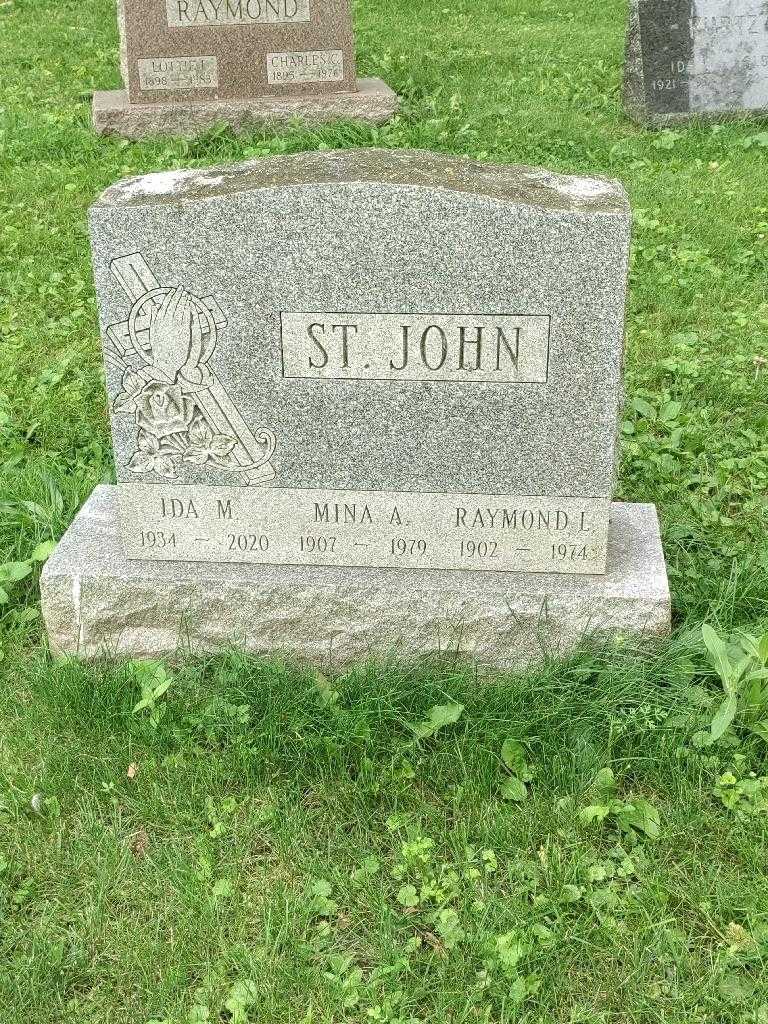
(373, 102)
(95, 602)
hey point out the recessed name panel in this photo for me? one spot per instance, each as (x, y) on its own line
(491, 348)
(305, 66)
(371, 529)
(201, 13)
(178, 73)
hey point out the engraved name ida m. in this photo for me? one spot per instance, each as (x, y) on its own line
(182, 413)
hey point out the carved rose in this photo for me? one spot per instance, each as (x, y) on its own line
(162, 409)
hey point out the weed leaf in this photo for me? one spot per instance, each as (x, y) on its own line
(605, 781)
(701, 739)
(514, 789)
(43, 551)
(723, 718)
(643, 817)
(439, 716)
(12, 572)
(513, 756)
(407, 896)
(718, 653)
(595, 812)
(760, 729)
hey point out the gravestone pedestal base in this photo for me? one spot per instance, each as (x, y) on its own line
(373, 102)
(95, 601)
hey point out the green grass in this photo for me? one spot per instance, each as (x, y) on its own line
(263, 853)
(276, 821)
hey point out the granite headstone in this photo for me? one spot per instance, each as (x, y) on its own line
(341, 376)
(703, 58)
(188, 63)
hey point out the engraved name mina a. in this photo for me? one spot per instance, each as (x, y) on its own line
(182, 412)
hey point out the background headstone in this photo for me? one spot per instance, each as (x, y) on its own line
(367, 367)
(690, 58)
(237, 49)
(188, 63)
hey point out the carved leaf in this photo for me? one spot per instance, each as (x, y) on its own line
(200, 434)
(132, 382)
(132, 385)
(168, 449)
(197, 456)
(148, 442)
(141, 462)
(124, 403)
(164, 466)
(221, 445)
(174, 444)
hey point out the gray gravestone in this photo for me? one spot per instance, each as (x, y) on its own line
(344, 373)
(690, 58)
(187, 64)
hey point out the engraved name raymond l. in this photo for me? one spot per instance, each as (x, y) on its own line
(485, 348)
(202, 13)
(305, 66)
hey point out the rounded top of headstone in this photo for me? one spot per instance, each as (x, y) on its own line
(406, 168)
